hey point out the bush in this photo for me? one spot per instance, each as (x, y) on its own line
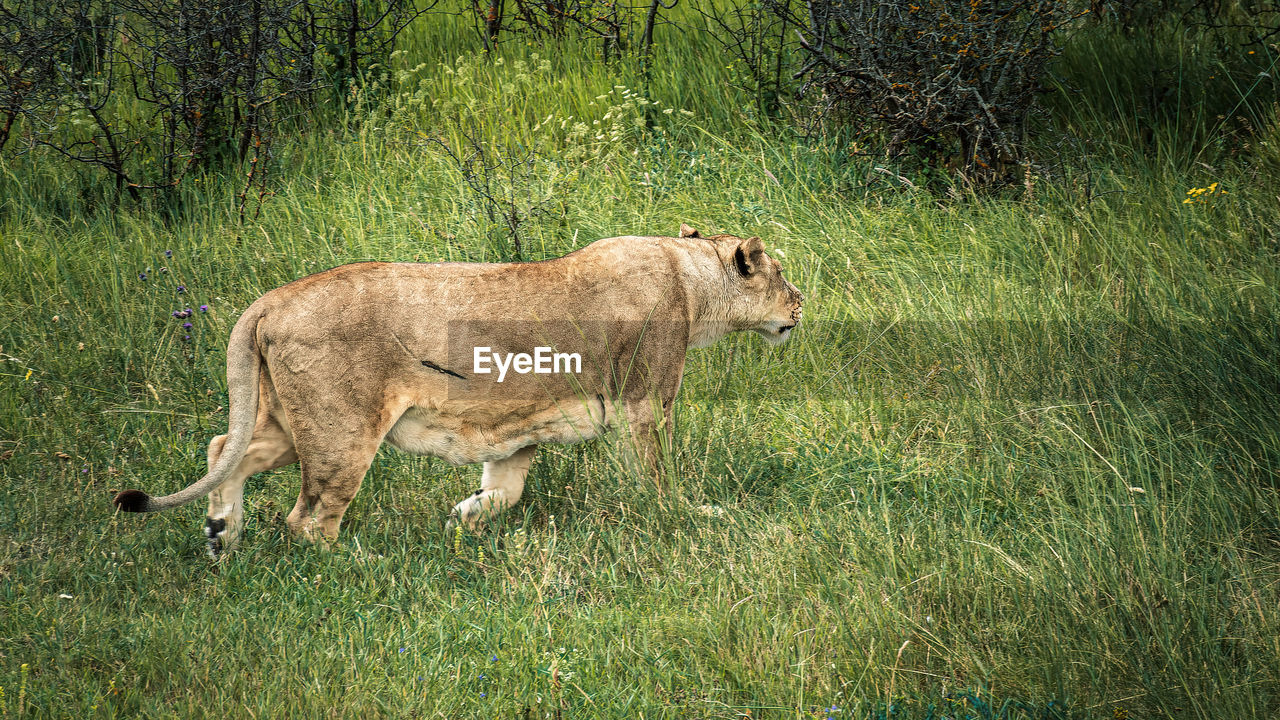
(951, 80)
(147, 90)
(754, 38)
(616, 26)
(1251, 22)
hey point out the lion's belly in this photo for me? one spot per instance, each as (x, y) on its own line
(477, 435)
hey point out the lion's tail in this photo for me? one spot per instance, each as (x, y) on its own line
(244, 363)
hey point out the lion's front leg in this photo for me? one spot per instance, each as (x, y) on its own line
(500, 487)
(649, 431)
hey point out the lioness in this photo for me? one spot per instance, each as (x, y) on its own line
(325, 369)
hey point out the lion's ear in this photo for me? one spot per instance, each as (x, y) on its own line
(686, 231)
(749, 256)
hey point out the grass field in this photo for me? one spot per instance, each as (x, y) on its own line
(1020, 459)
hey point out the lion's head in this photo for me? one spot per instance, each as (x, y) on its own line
(757, 298)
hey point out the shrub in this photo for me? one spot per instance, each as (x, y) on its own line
(951, 80)
(754, 39)
(1251, 22)
(616, 26)
(149, 89)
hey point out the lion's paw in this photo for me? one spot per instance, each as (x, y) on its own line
(222, 535)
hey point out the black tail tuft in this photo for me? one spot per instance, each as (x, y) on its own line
(133, 501)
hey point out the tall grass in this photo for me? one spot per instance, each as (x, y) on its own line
(1019, 461)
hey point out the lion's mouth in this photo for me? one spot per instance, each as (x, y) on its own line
(776, 334)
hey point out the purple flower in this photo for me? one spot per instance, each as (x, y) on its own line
(401, 649)
(187, 326)
(176, 313)
(182, 288)
(204, 308)
(185, 338)
(168, 253)
(142, 276)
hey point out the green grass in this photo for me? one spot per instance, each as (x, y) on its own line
(1022, 450)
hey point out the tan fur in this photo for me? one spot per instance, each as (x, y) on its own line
(327, 368)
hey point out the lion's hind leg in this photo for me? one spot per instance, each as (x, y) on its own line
(334, 463)
(271, 447)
